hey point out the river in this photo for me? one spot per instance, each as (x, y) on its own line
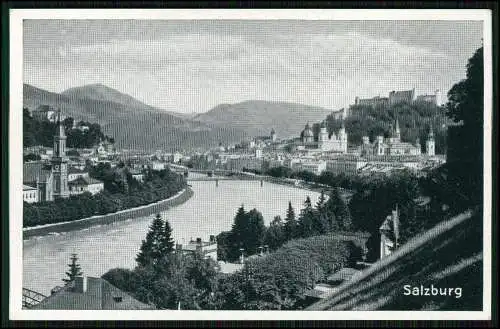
(209, 211)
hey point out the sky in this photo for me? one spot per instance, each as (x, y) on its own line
(192, 66)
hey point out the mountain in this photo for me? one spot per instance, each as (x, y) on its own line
(137, 125)
(101, 92)
(132, 123)
(257, 117)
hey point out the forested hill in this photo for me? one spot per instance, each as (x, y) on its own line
(37, 132)
(415, 120)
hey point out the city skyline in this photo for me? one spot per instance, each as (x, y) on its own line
(192, 66)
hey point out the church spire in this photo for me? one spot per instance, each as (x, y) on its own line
(397, 132)
(60, 123)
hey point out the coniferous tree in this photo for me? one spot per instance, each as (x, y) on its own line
(321, 201)
(321, 223)
(338, 206)
(168, 241)
(153, 248)
(238, 230)
(74, 269)
(254, 233)
(305, 222)
(290, 223)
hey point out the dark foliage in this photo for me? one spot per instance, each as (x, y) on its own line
(37, 132)
(121, 192)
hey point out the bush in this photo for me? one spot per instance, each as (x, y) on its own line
(279, 280)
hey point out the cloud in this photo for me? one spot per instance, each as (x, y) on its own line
(196, 71)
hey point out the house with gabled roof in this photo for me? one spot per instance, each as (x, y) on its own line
(90, 293)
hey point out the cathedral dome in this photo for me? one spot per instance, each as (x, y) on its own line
(307, 131)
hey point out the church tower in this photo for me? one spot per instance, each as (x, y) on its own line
(430, 144)
(323, 133)
(342, 136)
(59, 162)
(397, 132)
(273, 135)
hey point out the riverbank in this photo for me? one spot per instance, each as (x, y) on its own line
(79, 224)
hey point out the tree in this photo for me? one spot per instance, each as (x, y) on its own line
(122, 278)
(168, 241)
(238, 230)
(338, 206)
(254, 232)
(275, 234)
(290, 223)
(74, 269)
(321, 201)
(306, 220)
(465, 157)
(157, 244)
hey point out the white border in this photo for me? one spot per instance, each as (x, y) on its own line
(15, 157)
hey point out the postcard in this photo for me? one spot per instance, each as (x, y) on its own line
(176, 164)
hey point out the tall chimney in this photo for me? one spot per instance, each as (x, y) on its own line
(81, 284)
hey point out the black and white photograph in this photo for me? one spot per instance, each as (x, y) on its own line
(322, 162)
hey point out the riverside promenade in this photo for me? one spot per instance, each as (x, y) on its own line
(141, 211)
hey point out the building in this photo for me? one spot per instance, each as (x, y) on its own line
(390, 146)
(430, 144)
(273, 135)
(83, 184)
(137, 175)
(157, 165)
(434, 98)
(389, 234)
(403, 96)
(315, 167)
(30, 194)
(89, 293)
(374, 102)
(207, 248)
(44, 113)
(346, 166)
(74, 173)
(341, 114)
(325, 143)
(343, 275)
(59, 162)
(241, 163)
(52, 178)
(38, 174)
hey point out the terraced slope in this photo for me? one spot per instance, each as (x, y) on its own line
(447, 256)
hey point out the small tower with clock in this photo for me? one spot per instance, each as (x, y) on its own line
(59, 162)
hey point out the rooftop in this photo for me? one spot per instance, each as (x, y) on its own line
(84, 181)
(28, 188)
(35, 169)
(74, 170)
(343, 274)
(100, 295)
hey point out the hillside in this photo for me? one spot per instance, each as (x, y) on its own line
(448, 255)
(414, 122)
(101, 92)
(257, 117)
(133, 124)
